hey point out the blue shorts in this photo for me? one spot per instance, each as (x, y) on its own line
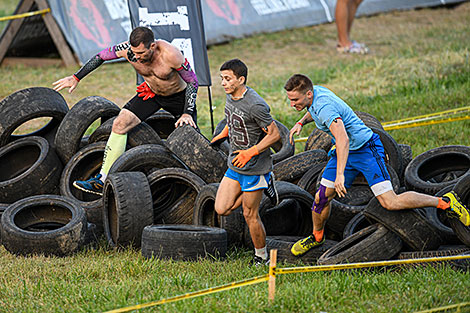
(368, 160)
(249, 182)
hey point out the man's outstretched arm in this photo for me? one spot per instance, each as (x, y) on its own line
(111, 53)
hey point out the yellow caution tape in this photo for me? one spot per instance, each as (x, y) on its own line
(447, 116)
(322, 268)
(23, 15)
(288, 270)
(250, 281)
(445, 308)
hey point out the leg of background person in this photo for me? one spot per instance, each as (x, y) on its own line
(342, 22)
(251, 202)
(116, 145)
(229, 196)
(407, 200)
(352, 8)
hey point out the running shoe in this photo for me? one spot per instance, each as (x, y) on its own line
(271, 191)
(258, 261)
(303, 245)
(457, 208)
(93, 185)
(355, 48)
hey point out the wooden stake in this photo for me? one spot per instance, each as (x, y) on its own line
(272, 274)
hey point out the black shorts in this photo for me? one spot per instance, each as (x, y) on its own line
(173, 104)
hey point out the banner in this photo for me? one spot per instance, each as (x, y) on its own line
(180, 23)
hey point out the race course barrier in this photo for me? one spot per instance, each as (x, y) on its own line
(23, 15)
(273, 271)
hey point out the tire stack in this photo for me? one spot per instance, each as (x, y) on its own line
(160, 193)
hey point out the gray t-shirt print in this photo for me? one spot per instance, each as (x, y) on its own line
(246, 119)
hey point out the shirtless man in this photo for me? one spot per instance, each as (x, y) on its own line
(170, 83)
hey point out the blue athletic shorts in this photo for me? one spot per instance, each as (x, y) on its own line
(368, 160)
(249, 182)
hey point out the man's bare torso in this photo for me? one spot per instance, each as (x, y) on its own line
(159, 75)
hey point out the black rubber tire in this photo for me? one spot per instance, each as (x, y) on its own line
(174, 192)
(3, 207)
(462, 189)
(407, 156)
(27, 104)
(44, 224)
(204, 206)
(183, 242)
(308, 181)
(146, 159)
(437, 168)
(412, 227)
(283, 219)
(75, 123)
(373, 243)
(369, 120)
(283, 244)
(283, 148)
(83, 165)
(286, 191)
(127, 208)
(392, 152)
(139, 135)
(443, 251)
(162, 122)
(318, 140)
(440, 220)
(28, 166)
(294, 167)
(355, 224)
(194, 150)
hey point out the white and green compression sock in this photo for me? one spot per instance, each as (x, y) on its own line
(115, 146)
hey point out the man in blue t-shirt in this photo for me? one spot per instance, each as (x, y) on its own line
(357, 150)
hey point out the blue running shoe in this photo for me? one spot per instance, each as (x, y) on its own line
(93, 185)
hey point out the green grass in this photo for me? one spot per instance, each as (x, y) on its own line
(419, 64)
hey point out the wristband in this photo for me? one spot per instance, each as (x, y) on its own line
(300, 123)
(76, 78)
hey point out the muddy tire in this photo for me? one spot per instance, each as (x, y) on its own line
(174, 192)
(28, 166)
(194, 150)
(369, 119)
(318, 140)
(373, 243)
(162, 122)
(127, 208)
(392, 152)
(84, 164)
(411, 225)
(183, 242)
(437, 168)
(44, 224)
(463, 264)
(139, 135)
(28, 104)
(204, 206)
(358, 222)
(145, 159)
(283, 244)
(75, 123)
(294, 167)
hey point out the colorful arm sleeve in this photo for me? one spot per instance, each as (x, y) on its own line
(190, 78)
(97, 60)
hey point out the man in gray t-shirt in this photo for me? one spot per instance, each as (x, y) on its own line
(251, 131)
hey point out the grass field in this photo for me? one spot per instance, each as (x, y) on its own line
(420, 63)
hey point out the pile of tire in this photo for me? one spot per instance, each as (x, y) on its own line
(160, 193)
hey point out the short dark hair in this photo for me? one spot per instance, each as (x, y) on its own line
(141, 35)
(237, 67)
(299, 82)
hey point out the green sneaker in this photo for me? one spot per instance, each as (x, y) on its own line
(457, 208)
(303, 245)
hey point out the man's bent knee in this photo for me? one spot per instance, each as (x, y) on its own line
(124, 122)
